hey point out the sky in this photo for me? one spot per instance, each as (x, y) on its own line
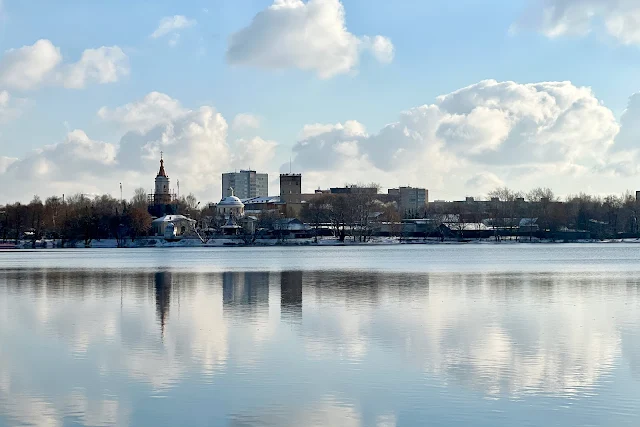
(455, 96)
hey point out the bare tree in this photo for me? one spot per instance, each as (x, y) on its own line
(36, 209)
(340, 215)
(360, 203)
(139, 199)
(459, 223)
(140, 222)
(316, 212)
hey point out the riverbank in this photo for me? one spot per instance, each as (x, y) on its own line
(327, 241)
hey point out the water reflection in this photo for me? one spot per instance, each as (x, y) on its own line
(163, 297)
(291, 296)
(315, 348)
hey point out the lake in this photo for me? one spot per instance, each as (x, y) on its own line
(383, 336)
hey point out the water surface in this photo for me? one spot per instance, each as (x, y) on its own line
(479, 335)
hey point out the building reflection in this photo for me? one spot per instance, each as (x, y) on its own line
(291, 295)
(502, 334)
(245, 290)
(163, 283)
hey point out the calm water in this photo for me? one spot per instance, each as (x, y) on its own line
(482, 335)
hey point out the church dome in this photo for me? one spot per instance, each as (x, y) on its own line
(231, 201)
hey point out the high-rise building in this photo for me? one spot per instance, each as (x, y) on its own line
(246, 184)
(291, 188)
(410, 200)
(291, 193)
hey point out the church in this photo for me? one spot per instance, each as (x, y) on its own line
(162, 201)
(164, 207)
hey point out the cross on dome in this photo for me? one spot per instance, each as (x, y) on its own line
(162, 172)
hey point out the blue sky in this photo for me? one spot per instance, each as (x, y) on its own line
(438, 48)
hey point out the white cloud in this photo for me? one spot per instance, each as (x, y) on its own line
(10, 107)
(28, 67)
(195, 147)
(245, 121)
(381, 47)
(555, 18)
(171, 25)
(503, 125)
(309, 36)
(489, 134)
(194, 143)
(154, 109)
(77, 155)
(624, 158)
(254, 153)
(102, 65)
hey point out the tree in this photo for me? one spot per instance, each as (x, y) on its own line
(505, 208)
(363, 203)
(316, 212)
(36, 210)
(392, 218)
(339, 215)
(139, 199)
(52, 220)
(632, 207)
(140, 221)
(459, 223)
(18, 216)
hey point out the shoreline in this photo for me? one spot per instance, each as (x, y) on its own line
(326, 242)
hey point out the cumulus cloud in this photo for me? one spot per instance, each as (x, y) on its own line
(255, 153)
(10, 107)
(68, 160)
(555, 18)
(28, 67)
(102, 65)
(194, 142)
(170, 26)
(154, 109)
(488, 134)
(245, 121)
(309, 36)
(503, 125)
(381, 47)
(624, 158)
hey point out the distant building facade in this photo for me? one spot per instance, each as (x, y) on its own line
(291, 188)
(354, 190)
(410, 200)
(246, 184)
(291, 193)
(230, 206)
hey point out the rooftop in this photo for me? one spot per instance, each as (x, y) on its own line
(261, 200)
(162, 172)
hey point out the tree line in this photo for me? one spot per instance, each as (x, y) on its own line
(82, 218)
(603, 217)
(79, 218)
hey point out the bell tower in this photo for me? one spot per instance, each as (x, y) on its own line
(162, 194)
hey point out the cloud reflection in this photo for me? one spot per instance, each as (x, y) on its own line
(312, 335)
